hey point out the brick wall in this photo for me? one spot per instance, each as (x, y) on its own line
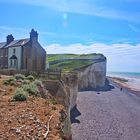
(34, 57)
(4, 58)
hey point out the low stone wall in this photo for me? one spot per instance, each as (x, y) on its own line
(66, 93)
(45, 73)
(13, 72)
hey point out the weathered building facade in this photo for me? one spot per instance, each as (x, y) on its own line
(23, 54)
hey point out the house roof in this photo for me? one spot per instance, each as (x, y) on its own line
(20, 42)
(2, 44)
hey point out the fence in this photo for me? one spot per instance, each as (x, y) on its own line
(55, 73)
(48, 73)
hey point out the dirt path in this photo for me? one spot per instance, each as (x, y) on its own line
(110, 115)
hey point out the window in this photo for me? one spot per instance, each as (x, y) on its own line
(14, 51)
(15, 62)
(11, 62)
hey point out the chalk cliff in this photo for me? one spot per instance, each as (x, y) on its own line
(66, 93)
(66, 90)
(92, 76)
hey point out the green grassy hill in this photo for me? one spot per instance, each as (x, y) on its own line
(65, 62)
(53, 57)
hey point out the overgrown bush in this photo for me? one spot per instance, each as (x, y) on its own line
(19, 77)
(30, 88)
(30, 77)
(11, 81)
(53, 101)
(26, 82)
(38, 83)
(33, 73)
(20, 95)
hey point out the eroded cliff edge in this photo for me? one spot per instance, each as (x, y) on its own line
(65, 90)
(66, 93)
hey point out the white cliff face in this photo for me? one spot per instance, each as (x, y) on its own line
(92, 76)
(66, 90)
(71, 86)
(66, 94)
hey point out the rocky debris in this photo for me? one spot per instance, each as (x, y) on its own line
(2, 90)
(15, 130)
(48, 128)
(28, 120)
(63, 115)
(28, 126)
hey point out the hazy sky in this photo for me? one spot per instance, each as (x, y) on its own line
(111, 27)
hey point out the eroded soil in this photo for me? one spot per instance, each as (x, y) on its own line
(27, 120)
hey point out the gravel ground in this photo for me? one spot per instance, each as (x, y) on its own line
(110, 115)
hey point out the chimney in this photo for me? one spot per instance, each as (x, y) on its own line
(33, 35)
(9, 38)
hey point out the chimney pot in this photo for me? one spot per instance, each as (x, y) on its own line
(10, 38)
(33, 35)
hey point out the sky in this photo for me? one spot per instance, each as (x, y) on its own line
(111, 27)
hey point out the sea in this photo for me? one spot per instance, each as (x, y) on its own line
(132, 77)
(125, 74)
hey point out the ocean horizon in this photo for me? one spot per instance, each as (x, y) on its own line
(124, 74)
(132, 77)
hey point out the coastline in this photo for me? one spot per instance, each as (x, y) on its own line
(129, 84)
(112, 110)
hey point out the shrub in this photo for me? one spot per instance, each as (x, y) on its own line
(19, 77)
(33, 73)
(26, 82)
(11, 81)
(30, 88)
(20, 95)
(38, 83)
(30, 77)
(53, 101)
(6, 82)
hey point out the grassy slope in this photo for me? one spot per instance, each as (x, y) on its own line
(53, 57)
(70, 65)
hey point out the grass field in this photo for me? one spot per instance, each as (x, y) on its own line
(70, 65)
(53, 57)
